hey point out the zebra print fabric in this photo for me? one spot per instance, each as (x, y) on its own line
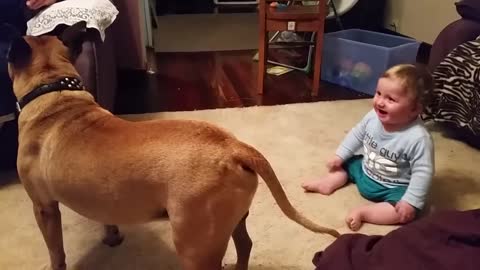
(456, 96)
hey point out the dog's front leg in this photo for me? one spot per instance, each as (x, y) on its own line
(50, 223)
(112, 236)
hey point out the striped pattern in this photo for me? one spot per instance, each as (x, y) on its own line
(456, 97)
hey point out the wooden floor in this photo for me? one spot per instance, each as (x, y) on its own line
(208, 80)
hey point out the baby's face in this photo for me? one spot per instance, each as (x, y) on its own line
(395, 106)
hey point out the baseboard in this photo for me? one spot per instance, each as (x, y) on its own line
(165, 7)
(131, 79)
(423, 52)
(391, 32)
(132, 92)
(236, 9)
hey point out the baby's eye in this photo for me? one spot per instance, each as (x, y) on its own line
(391, 99)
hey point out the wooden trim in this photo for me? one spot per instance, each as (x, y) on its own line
(302, 26)
(294, 13)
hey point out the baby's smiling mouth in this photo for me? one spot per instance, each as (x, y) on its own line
(382, 112)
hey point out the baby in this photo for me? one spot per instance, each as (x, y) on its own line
(397, 164)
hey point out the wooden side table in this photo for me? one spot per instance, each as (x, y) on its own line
(291, 18)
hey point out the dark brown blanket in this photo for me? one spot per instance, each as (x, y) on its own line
(447, 240)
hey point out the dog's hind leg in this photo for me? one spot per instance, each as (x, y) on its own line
(50, 223)
(201, 231)
(113, 237)
(243, 244)
(200, 244)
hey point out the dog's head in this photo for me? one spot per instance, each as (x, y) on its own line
(40, 60)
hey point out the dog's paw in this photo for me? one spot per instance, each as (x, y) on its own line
(229, 266)
(113, 240)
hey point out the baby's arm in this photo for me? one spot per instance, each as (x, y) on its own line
(422, 166)
(354, 139)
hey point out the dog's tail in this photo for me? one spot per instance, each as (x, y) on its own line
(256, 162)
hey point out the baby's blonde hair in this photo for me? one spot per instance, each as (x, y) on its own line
(415, 78)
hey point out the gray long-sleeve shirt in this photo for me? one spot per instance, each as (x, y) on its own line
(401, 158)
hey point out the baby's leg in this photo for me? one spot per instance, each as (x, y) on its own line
(328, 184)
(380, 213)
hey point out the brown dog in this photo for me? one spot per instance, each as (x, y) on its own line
(119, 172)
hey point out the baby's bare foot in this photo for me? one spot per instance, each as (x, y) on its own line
(317, 186)
(354, 220)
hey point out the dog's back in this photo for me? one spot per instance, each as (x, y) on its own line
(116, 171)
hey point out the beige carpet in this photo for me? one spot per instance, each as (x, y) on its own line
(297, 139)
(206, 32)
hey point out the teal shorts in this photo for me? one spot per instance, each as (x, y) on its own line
(368, 188)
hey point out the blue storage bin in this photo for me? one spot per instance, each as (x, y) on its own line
(356, 58)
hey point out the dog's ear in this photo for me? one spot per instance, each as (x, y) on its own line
(8, 32)
(73, 37)
(19, 52)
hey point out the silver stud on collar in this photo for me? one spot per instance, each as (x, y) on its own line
(72, 83)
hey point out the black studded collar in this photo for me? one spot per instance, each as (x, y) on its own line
(64, 84)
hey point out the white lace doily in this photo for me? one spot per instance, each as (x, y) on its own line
(98, 14)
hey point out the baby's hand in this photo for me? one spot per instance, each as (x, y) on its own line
(406, 211)
(334, 164)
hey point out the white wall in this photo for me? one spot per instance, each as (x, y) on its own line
(420, 19)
